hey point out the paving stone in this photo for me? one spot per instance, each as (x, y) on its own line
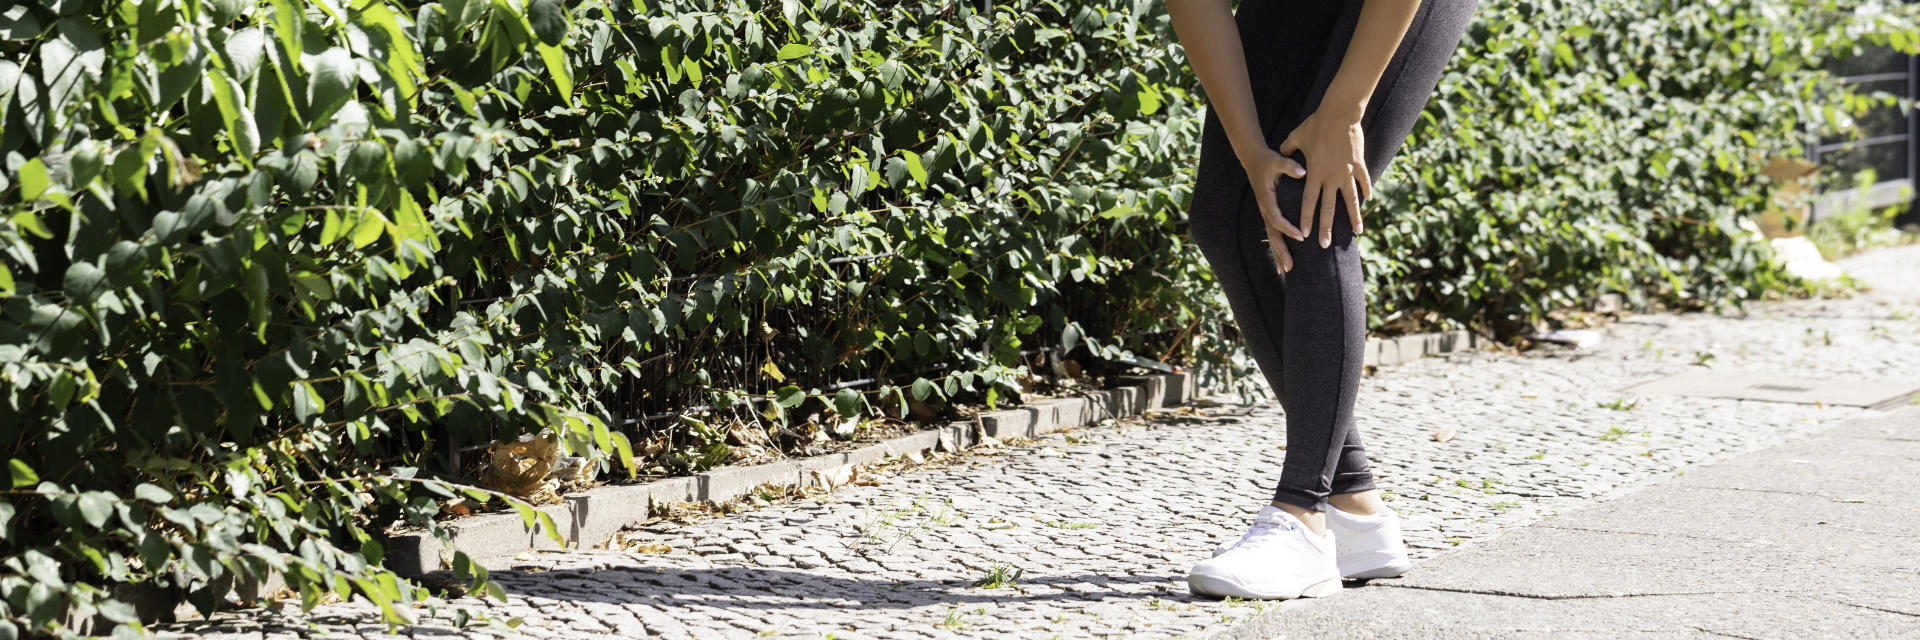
(1537, 433)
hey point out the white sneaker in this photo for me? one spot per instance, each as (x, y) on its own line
(1366, 546)
(1277, 558)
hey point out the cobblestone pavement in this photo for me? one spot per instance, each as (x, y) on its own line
(1096, 528)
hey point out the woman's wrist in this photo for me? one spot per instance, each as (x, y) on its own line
(1248, 151)
(1341, 108)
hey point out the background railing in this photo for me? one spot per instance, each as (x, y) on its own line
(1888, 147)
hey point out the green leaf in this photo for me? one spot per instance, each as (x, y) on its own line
(307, 401)
(528, 516)
(152, 493)
(303, 170)
(84, 282)
(403, 60)
(369, 227)
(915, 168)
(32, 224)
(330, 81)
(553, 531)
(922, 388)
(87, 163)
(410, 223)
(790, 396)
(367, 161)
(95, 507)
(19, 23)
(288, 21)
(155, 550)
(33, 181)
(241, 129)
(259, 302)
(118, 611)
(562, 71)
(847, 402)
(625, 450)
(601, 437)
(23, 475)
(549, 20)
(795, 50)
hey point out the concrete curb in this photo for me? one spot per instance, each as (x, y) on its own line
(590, 518)
(1386, 351)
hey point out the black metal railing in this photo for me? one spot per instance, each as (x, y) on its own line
(1891, 148)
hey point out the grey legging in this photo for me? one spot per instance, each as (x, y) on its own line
(1307, 329)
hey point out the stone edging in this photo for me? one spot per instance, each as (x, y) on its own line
(1386, 351)
(593, 516)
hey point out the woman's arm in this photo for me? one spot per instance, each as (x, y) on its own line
(1382, 24)
(1212, 41)
(1331, 137)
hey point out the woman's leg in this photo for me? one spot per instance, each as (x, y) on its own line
(1310, 350)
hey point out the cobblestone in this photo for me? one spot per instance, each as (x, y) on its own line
(1106, 521)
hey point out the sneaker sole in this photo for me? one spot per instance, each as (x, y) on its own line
(1209, 586)
(1392, 568)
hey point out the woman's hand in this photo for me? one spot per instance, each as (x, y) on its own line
(1336, 168)
(1264, 168)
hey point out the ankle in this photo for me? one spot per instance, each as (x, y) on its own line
(1316, 521)
(1359, 503)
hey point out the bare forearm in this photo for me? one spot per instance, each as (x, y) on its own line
(1212, 41)
(1377, 35)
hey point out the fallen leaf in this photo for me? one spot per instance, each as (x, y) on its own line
(1443, 434)
(996, 523)
(651, 548)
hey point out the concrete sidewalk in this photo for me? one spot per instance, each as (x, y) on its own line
(1818, 537)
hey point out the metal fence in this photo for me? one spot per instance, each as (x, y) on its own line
(1889, 147)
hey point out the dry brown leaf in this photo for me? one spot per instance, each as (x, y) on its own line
(520, 467)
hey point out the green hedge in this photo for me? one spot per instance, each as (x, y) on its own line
(1578, 147)
(263, 263)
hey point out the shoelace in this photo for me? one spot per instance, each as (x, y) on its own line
(1267, 527)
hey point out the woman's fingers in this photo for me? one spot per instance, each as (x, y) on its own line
(1309, 201)
(1353, 204)
(1270, 212)
(1364, 180)
(1291, 168)
(1282, 256)
(1327, 201)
